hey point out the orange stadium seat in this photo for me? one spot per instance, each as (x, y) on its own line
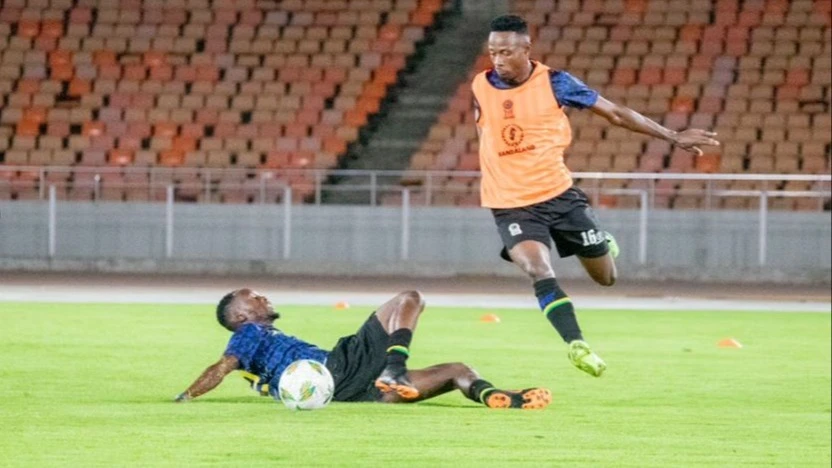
(101, 82)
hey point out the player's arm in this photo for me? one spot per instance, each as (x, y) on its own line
(623, 116)
(210, 378)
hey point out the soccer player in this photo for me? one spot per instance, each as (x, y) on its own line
(523, 132)
(367, 366)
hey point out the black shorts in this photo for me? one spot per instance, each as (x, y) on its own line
(567, 218)
(357, 360)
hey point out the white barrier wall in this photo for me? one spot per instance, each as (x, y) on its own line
(363, 240)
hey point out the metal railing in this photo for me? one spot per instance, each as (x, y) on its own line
(275, 181)
(208, 181)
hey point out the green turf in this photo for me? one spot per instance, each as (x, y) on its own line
(90, 385)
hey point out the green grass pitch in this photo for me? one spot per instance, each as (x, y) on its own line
(91, 385)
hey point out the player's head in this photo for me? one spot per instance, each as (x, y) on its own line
(245, 306)
(508, 46)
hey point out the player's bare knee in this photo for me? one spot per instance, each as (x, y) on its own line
(464, 371)
(611, 276)
(536, 270)
(413, 300)
(606, 279)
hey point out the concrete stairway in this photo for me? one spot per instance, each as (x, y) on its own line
(420, 96)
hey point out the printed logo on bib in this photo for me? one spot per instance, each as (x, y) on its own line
(508, 109)
(513, 136)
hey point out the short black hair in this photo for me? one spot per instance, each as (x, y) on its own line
(509, 23)
(222, 309)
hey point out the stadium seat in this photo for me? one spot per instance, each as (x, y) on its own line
(129, 86)
(240, 83)
(741, 73)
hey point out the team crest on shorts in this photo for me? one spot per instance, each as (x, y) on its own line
(508, 109)
(514, 229)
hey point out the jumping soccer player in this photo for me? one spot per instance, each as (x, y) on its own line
(367, 366)
(523, 132)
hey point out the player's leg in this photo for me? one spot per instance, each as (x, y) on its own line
(401, 312)
(534, 258)
(601, 269)
(399, 317)
(526, 237)
(443, 378)
(576, 232)
(595, 248)
(553, 301)
(526, 233)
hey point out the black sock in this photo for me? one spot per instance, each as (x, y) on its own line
(479, 390)
(398, 348)
(558, 308)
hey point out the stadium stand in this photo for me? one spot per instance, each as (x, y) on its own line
(758, 72)
(190, 84)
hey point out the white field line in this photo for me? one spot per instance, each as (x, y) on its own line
(209, 296)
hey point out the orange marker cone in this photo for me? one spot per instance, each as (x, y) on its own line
(490, 318)
(729, 343)
(342, 305)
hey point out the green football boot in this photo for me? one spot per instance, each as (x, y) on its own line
(613, 245)
(584, 359)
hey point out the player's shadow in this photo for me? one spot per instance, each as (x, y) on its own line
(243, 399)
(447, 405)
(264, 400)
(202, 401)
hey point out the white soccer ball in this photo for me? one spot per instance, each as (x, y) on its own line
(305, 385)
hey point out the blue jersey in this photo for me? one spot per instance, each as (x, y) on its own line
(568, 90)
(266, 351)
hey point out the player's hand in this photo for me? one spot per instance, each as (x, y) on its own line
(692, 138)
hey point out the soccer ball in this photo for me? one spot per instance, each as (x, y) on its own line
(305, 385)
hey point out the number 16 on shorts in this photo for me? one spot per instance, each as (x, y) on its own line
(592, 237)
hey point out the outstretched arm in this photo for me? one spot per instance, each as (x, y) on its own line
(623, 116)
(210, 378)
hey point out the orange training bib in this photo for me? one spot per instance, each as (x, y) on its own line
(523, 134)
